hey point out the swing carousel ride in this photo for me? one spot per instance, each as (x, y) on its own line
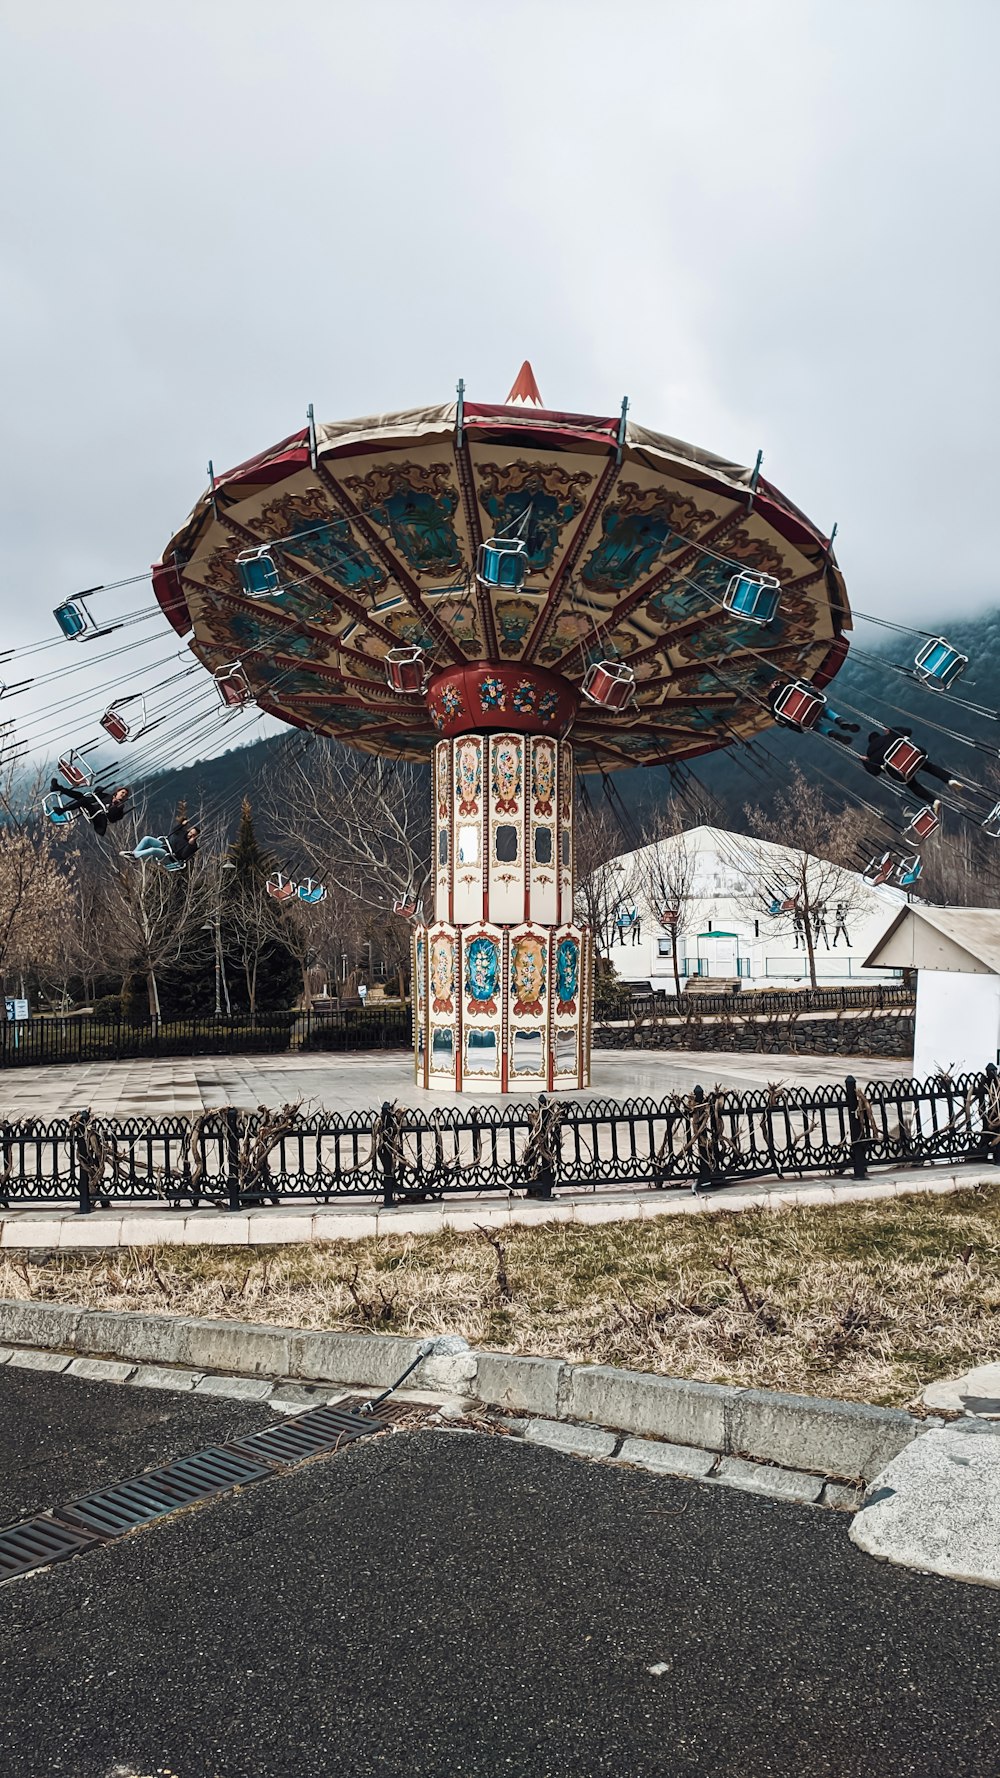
(514, 595)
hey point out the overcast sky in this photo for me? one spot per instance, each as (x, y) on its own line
(768, 222)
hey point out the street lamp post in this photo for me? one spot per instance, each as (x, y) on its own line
(214, 925)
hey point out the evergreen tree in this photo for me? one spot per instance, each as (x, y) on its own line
(261, 967)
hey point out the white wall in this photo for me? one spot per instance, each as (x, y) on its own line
(958, 1022)
(772, 959)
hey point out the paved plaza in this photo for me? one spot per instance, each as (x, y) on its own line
(362, 1081)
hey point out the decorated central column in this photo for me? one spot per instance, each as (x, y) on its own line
(502, 974)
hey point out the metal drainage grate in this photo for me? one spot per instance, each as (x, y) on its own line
(36, 1543)
(112, 1511)
(305, 1435)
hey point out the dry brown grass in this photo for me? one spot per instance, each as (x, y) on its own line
(867, 1302)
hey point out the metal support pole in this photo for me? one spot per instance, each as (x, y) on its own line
(233, 1156)
(79, 1139)
(387, 1153)
(990, 1113)
(545, 1177)
(859, 1144)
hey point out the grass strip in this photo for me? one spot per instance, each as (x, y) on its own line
(867, 1302)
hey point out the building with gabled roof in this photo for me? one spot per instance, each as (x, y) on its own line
(956, 953)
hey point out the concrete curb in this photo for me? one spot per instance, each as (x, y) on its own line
(697, 1428)
(64, 1230)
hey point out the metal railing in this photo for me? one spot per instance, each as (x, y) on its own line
(232, 1159)
(745, 1003)
(79, 1038)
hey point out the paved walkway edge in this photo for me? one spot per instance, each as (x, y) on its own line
(159, 1225)
(673, 1425)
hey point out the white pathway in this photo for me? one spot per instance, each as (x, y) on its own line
(346, 1221)
(361, 1082)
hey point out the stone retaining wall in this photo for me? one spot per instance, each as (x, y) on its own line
(887, 1033)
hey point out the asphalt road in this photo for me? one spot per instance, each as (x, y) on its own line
(441, 1604)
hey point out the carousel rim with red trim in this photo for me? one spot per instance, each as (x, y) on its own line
(374, 529)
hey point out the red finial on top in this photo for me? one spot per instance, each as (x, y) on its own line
(525, 390)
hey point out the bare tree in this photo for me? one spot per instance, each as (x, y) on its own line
(360, 823)
(150, 915)
(35, 895)
(666, 873)
(607, 880)
(813, 877)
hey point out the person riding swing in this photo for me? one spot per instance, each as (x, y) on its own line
(102, 807)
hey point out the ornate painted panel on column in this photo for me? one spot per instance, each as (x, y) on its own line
(567, 861)
(470, 828)
(567, 989)
(442, 830)
(528, 1004)
(586, 1004)
(419, 996)
(482, 1005)
(442, 989)
(506, 828)
(542, 801)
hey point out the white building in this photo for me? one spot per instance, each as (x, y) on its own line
(725, 929)
(956, 953)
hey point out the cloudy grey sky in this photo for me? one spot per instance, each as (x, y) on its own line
(769, 222)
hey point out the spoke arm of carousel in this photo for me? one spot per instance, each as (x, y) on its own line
(314, 576)
(573, 553)
(395, 569)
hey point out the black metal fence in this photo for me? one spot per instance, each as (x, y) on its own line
(766, 1001)
(82, 1039)
(235, 1159)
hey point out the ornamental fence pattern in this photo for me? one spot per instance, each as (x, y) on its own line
(238, 1159)
(641, 1003)
(80, 1039)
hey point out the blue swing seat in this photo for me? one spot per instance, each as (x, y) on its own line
(258, 571)
(754, 597)
(311, 893)
(502, 562)
(908, 872)
(73, 618)
(938, 664)
(58, 816)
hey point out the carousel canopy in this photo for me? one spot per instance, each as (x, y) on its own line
(626, 542)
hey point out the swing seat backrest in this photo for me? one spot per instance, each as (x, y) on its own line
(800, 705)
(71, 618)
(610, 684)
(259, 573)
(904, 758)
(115, 725)
(406, 669)
(923, 824)
(502, 562)
(939, 664)
(74, 774)
(754, 597)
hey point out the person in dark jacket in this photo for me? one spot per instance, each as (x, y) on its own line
(102, 807)
(180, 844)
(879, 742)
